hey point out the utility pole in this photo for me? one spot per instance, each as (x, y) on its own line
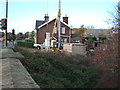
(59, 25)
(6, 18)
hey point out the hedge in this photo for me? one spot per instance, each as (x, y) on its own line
(30, 41)
(25, 44)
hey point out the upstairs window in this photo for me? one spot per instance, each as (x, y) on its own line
(63, 30)
(55, 30)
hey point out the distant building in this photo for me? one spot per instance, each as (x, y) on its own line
(76, 39)
(97, 32)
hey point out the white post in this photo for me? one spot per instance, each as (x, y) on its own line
(59, 25)
(7, 25)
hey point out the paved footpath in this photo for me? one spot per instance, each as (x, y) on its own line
(0, 71)
(12, 72)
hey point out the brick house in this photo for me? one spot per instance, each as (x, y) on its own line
(45, 26)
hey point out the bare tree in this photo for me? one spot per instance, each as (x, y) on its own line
(118, 20)
(114, 18)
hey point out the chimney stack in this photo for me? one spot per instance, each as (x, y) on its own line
(65, 19)
(46, 17)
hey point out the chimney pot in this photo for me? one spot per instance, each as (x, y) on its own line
(65, 19)
(46, 17)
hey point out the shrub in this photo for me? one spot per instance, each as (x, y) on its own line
(25, 44)
(51, 70)
(30, 41)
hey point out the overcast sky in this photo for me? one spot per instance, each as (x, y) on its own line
(22, 14)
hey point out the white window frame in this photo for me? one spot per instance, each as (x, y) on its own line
(55, 30)
(63, 30)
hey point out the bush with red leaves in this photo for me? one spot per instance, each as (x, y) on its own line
(106, 58)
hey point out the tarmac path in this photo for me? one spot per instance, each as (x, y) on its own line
(0, 71)
(12, 72)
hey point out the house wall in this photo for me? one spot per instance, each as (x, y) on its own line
(75, 48)
(67, 32)
(41, 33)
(78, 49)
